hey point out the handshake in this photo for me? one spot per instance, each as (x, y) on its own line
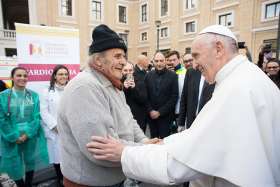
(110, 149)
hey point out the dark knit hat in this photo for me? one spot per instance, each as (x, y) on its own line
(104, 38)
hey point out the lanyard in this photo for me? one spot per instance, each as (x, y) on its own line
(8, 114)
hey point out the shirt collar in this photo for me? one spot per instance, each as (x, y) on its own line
(177, 67)
(141, 69)
(228, 68)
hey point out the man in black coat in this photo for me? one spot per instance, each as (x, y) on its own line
(136, 94)
(196, 93)
(162, 90)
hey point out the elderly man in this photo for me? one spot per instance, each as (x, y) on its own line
(93, 104)
(234, 141)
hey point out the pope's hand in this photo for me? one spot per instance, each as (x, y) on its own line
(105, 148)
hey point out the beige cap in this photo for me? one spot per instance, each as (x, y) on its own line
(219, 29)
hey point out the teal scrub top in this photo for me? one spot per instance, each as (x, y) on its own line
(20, 114)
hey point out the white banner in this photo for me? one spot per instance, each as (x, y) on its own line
(41, 48)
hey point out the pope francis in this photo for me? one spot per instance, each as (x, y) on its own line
(234, 141)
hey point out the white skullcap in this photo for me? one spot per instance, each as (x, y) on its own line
(219, 29)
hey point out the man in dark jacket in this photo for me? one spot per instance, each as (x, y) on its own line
(162, 89)
(196, 93)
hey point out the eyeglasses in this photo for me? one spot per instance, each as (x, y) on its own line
(187, 61)
(272, 67)
(61, 74)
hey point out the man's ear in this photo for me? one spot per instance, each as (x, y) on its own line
(97, 60)
(220, 48)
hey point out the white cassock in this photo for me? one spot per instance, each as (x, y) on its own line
(49, 101)
(234, 141)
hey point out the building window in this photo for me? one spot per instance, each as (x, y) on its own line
(226, 19)
(66, 7)
(96, 10)
(145, 53)
(164, 32)
(272, 10)
(122, 14)
(144, 13)
(273, 43)
(144, 36)
(124, 36)
(163, 7)
(190, 4)
(190, 27)
(10, 52)
(188, 50)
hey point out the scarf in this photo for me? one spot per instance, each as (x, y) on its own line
(115, 82)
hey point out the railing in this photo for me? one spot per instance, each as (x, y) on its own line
(7, 35)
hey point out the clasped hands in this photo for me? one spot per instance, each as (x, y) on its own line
(129, 83)
(109, 148)
(21, 139)
(154, 114)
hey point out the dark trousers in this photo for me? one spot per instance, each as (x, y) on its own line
(159, 129)
(68, 183)
(58, 174)
(28, 180)
(143, 124)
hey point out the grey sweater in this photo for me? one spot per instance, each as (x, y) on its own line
(90, 105)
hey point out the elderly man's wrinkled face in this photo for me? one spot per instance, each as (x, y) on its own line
(159, 61)
(203, 54)
(113, 63)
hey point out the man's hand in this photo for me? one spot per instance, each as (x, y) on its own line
(21, 139)
(153, 141)
(170, 67)
(129, 84)
(181, 128)
(154, 114)
(105, 148)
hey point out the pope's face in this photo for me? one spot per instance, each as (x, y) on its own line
(204, 58)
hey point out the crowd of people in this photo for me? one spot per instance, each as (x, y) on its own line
(208, 112)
